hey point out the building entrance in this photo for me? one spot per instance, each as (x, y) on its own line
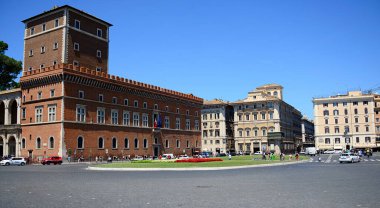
(12, 146)
(156, 151)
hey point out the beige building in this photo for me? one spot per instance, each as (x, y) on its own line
(345, 121)
(307, 133)
(217, 127)
(264, 122)
(377, 119)
(10, 128)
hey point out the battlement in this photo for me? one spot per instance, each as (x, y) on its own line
(109, 77)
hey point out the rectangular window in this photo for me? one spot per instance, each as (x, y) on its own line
(365, 102)
(357, 139)
(30, 53)
(114, 116)
(52, 110)
(81, 113)
(101, 98)
(335, 104)
(98, 69)
(54, 62)
(356, 120)
(325, 105)
(98, 53)
(42, 66)
(43, 27)
(336, 130)
(196, 125)
(39, 114)
(56, 22)
(32, 31)
(145, 105)
(77, 24)
(145, 120)
(39, 95)
(177, 111)
(114, 100)
(136, 103)
(255, 117)
(126, 102)
(346, 120)
(76, 46)
(357, 128)
(344, 103)
(99, 32)
(55, 46)
(23, 113)
(355, 103)
(52, 93)
(126, 119)
(368, 140)
(366, 119)
(337, 140)
(326, 121)
(136, 119)
(188, 124)
(367, 128)
(247, 117)
(271, 115)
(81, 94)
(263, 116)
(76, 63)
(178, 123)
(101, 115)
(167, 122)
(188, 112)
(43, 49)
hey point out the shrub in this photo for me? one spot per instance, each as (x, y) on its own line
(197, 160)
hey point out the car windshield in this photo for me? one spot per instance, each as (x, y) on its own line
(345, 155)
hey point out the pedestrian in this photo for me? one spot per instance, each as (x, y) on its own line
(96, 159)
(264, 157)
(290, 157)
(297, 156)
(69, 159)
(368, 153)
(229, 156)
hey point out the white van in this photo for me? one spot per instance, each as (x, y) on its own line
(311, 151)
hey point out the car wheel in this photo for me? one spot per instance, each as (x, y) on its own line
(22, 164)
(60, 163)
(48, 163)
(55, 163)
(7, 164)
(340, 162)
(352, 160)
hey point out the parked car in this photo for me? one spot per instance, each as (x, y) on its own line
(138, 158)
(258, 153)
(13, 161)
(349, 157)
(337, 151)
(52, 160)
(183, 157)
(329, 152)
(167, 156)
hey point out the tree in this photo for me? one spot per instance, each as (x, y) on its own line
(9, 69)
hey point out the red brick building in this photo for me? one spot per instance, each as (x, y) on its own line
(73, 107)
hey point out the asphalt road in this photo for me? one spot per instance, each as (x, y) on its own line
(312, 184)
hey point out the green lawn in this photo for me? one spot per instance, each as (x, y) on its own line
(236, 161)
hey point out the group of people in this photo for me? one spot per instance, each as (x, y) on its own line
(271, 156)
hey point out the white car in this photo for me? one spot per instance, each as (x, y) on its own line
(258, 153)
(168, 156)
(183, 157)
(337, 151)
(329, 152)
(349, 157)
(13, 161)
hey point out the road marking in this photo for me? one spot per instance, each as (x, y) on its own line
(329, 159)
(335, 161)
(378, 160)
(372, 160)
(365, 160)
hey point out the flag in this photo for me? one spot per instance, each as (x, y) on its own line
(159, 124)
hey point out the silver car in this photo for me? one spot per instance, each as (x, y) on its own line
(349, 157)
(13, 161)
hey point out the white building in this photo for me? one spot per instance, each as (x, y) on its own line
(10, 129)
(217, 127)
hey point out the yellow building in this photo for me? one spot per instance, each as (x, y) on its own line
(264, 122)
(345, 121)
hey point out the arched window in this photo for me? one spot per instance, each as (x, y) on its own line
(38, 143)
(126, 143)
(101, 143)
(114, 143)
(145, 143)
(275, 93)
(336, 112)
(325, 112)
(23, 143)
(80, 142)
(51, 143)
(136, 143)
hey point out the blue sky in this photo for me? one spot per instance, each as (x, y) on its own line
(223, 49)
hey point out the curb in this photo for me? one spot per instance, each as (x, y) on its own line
(192, 169)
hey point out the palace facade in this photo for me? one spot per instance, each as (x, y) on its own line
(71, 106)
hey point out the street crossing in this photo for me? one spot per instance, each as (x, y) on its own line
(335, 159)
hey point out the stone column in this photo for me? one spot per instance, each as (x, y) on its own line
(5, 147)
(18, 100)
(6, 113)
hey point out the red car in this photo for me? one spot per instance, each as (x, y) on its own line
(55, 160)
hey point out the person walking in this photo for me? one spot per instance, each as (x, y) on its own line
(229, 156)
